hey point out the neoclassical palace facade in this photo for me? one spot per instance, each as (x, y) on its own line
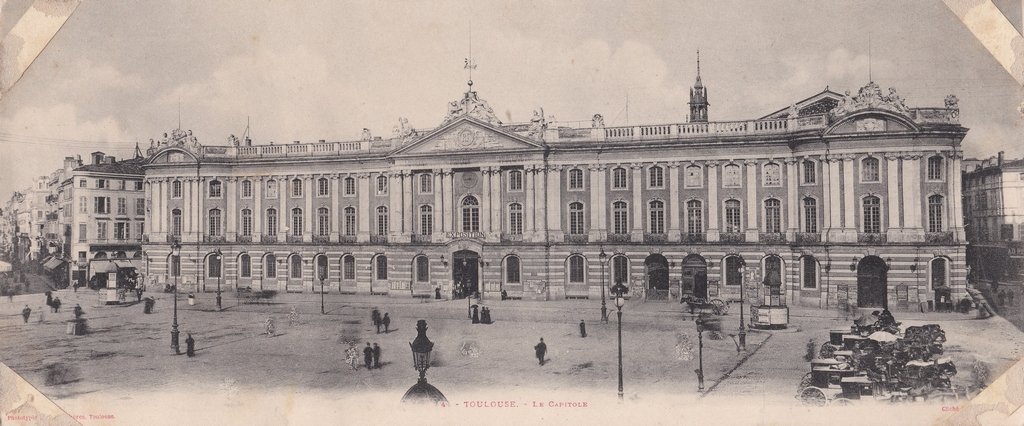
(837, 201)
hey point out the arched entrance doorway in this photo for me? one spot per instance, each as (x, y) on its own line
(465, 273)
(695, 276)
(871, 282)
(657, 272)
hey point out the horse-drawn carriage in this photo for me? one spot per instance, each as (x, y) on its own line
(703, 305)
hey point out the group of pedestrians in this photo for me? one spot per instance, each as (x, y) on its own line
(379, 321)
(371, 356)
(1005, 298)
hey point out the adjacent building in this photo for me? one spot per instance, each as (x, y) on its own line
(834, 202)
(994, 217)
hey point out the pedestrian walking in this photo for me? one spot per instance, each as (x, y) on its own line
(56, 304)
(269, 326)
(138, 293)
(476, 315)
(376, 355)
(25, 313)
(147, 307)
(351, 355)
(387, 322)
(78, 311)
(1001, 297)
(293, 317)
(190, 346)
(375, 316)
(541, 349)
(583, 329)
(485, 315)
(368, 356)
(1009, 297)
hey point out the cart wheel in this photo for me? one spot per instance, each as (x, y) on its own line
(841, 402)
(720, 307)
(806, 381)
(813, 396)
(827, 350)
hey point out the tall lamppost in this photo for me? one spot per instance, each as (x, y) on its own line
(176, 258)
(604, 310)
(220, 273)
(422, 392)
(700, 353)
(322, 275)
(743, 324)
(620, 291)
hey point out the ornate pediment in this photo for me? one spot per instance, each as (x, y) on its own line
(468, 136)
(868, 97)
(177, 139)
(473, 106)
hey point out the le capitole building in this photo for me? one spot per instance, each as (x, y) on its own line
(836, 201)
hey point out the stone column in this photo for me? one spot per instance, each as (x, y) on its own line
(308, 213)
(394, 205)
(335, 190)
(497, 205)
(601, 209)
(849, 202)
(637, 230)
(232, 208)
(363, 209)
(834, 200)
(894, 229)
(753, 206)
(713, 230)
(793, 194)
(955, 202)
(152, 216)
(541, 199)
(673, 210)
(594, 231)
(200, 195)
(258, 215)
(450, 208)
(438, 208)
(284, 217)
(554, 194)
(408, 206)
(485, 201)
(912, 203)
(529, 205)
(187, 209)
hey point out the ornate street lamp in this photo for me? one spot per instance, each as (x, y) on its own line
(422, 392)
(743, 323)
(700, 353)
(322, 275)
(604, 310)
(220, 273)
(176, 256)
(620, 291)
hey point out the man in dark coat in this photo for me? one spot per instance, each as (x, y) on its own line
(368, 356)
(387, 322)
(541, 349)
(56, 304)
(25, 313)
(583, 329)
(476, 314)
(375, 316)
(376, 355)
(78, 311)
(190, 346)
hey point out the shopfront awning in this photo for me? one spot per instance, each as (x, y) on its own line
(102, 266)
(124, 264)
(53, 263)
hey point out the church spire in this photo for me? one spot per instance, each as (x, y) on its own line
(698, 98)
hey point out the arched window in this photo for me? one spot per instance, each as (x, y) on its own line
(620, 270)
(422, 269)
(938, 272)
(772, 216)
(732, 216)
(694, 217)
(380, 267)
(576, 218)
(869, 169)
(174, 265)
(426, 183)
(214, 229)
(515, 180)
(323, 187)
(771, 175)
(733, 270)
(244, 266)
(656, 177)
(176, 189)
(295, 266)
(323, 221)
(515, 219)
(575, 179)
(470, 214)
(512, 270)
(296, 187)
(809, 272)
(576, 274)
(935, 206)
(810, 172)
(350, 186)
(382, 184)
(620, 218)
(246, 188)
(270, 266)
(216, 189)
(176, 222)
(246, 222)
(872, 215)
(271, 188)
(935, 167)
(271, 222)
(731, 176)
(382, 220)
(618, 178)
(656, 211)
(348, 267)
(213, 265)
(297, 222)
(810, 215)
(350, 221)
(322, 271)
(694, 177)
(426, 220)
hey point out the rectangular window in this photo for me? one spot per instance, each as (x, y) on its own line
(102, 205)
(83, 232)
(296, 187)
(323, 187)
(271, 269)
(101, 231)
(140, 206)
(83, 204)
(138, 186)
(771, 175)
(120, 231)
(101, 183)
(141, 230)
(694, 177)
(732, 216)
(122, 206)
(694, 218)
(175, 266)
(81, 183)
(350, 186)
(349, 265)
(810, 174)
(426, 183)
(810, 215)
(810, 272)
(121, 185)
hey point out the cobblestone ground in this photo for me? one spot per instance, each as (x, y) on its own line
(125, 366)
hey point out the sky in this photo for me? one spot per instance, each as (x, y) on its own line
(119, 72)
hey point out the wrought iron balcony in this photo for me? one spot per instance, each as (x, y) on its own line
(871, 238)
(808, 237)
(348, 238)
(694, 238)
(378, 239)
(244, 238)
(938, 237)
(268, 239)
(772, 238)
(174, 239)
(213, 238)
(321, 238)
(576, 238)
(294, 238)
(618, 238)
(655, 238)
(732, 237)
(420, 238)
(511, 238)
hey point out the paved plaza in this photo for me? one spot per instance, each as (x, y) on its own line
(125, 361)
